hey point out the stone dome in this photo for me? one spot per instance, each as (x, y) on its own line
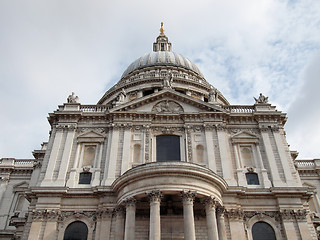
(165, 58)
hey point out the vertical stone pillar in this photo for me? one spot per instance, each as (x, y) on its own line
(119, 231)
(3, 185)
(264, 173)
(50, 232)
(105, 225)
(235, 217)
(53, 156)
(129, 233)
(188, 144)
(111, 161)
(61, 179)
(221, 223)
(155, 228)
(210, 148)
(210, 205)
(273, 165)
(284, 157)
(240, 171)
(189, 227)
(227, 169)
(288, 219)
(301, 216)
(126, 149)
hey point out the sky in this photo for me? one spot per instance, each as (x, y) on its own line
(49, 49)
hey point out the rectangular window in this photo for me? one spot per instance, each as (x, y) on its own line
(168, 148)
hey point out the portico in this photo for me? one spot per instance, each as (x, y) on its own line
(166, 200)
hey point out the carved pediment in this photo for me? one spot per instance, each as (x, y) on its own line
(167, 102)
(245, 137)
(91, 136)
(167, 107)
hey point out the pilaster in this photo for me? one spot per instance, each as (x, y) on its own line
(210, 148)
(227, 169)
(271, 159)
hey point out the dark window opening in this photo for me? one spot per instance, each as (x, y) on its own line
(76, 231)
(263, 231)
(85, 178)
(162, 46)
(252, 179)
(168, 148)
(206, 100)
(180, 91)
(148, 92)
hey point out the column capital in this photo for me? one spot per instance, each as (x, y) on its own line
(220, 211)
(154, 196)
(211, 202)
(188, 195)
(119, 211)
(130, 202)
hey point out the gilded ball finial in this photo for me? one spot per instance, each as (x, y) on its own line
(161, 29)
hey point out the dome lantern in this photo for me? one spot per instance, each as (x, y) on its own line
(162, 43)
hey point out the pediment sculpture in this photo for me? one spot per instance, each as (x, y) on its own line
(167, 106)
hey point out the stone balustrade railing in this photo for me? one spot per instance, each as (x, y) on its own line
(93, 108)
(240, 109)
(305, 163)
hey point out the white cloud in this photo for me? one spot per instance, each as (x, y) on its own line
(50, 48)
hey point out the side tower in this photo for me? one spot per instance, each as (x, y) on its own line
(163, 155)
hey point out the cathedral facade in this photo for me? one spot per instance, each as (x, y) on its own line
(162, 155)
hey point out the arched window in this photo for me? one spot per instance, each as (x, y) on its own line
(85, 178)
(252, 179)
(168, 148)
(76, 231)
(263, 231)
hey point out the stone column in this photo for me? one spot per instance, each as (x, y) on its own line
(235, 217)
(189, 228)
(119, 231)
(67, 148)
(111, 161)
(221, 223)
(155, 228)
(105, 225)
(285, 157)
(264, 173)
(301, 216)
(270, 156)
(210, 204)
(126, 149)
(210, 148)
(58, 130)
(288, 219)
(227, 169)
(3, 185)
(130, 219)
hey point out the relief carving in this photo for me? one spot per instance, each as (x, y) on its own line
(167, 106)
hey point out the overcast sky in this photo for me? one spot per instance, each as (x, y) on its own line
(50, 48)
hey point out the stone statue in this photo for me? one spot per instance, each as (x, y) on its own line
(167, 81)
(213, 94)
(73, 98)
(261, 99)
(122, 96)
